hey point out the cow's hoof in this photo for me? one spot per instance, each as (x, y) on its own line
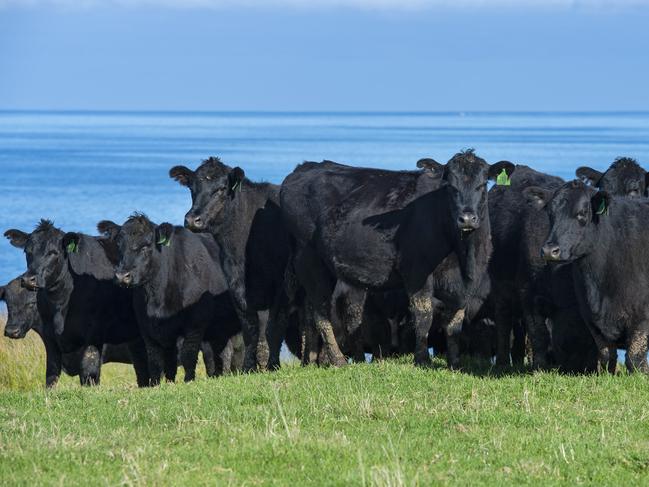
(423, 361)
(339, 361)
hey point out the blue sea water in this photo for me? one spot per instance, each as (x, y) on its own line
(77, 168)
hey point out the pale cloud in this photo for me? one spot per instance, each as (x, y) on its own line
(350, 4)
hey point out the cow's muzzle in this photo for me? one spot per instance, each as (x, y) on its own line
(551, 252)
(14, 332)
(467, 222)
(194, 223)
(124, 278)
(29, 282)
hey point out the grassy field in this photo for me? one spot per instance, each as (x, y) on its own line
(386, 424)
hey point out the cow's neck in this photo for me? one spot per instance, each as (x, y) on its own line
(601, 276)
(473, 251)
(59, 296)
(156, 288)
(233, 231)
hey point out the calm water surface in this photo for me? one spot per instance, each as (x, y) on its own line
(79, 168)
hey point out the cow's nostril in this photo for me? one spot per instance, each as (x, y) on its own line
(29, 282)
(468, 220)
(551, 252)
(123, 277)
(193, 222)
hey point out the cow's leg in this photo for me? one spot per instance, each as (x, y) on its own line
(189, 352)
(310, 337)
(612, 360)
(209, 359)
(347, 306)
(170, 362)
(263, 351)
(140, 362)
(537, 330)
(238, 353)
(276, 330)
(52, 362)
(421, 308)
(249, 329)
(518, 344)
(333, 353)
(606, 354)
(90, 366)
(503, 316)
(540, 340)
(636, 352)
(224, 357)
(453, 329)
(217, 349)
(156, 358)
(394, 337)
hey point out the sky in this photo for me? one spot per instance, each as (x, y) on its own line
(324, 55)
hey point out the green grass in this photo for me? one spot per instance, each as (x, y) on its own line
(369, 424)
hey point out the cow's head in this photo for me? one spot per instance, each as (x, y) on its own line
(625, 177)
(214, 187)
(46, 250)
(22, 309)
(466, 177)
(139, 243)
(574, 209)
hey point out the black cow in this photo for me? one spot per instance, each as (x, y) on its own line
(244, 218)
(605, 239)
(525, 291)
(23, 315)
(624, 177)
(179, 290)
(358, 229)
(80, 306)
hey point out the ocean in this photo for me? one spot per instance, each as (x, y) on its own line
(77, 168)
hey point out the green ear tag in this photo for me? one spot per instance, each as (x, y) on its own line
(72, 248)
(164, 241)
(503, 179)
(236, 186)
(603, 209)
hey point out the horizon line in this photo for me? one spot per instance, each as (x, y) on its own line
(318, 112)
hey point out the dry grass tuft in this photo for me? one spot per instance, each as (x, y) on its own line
(22, 362)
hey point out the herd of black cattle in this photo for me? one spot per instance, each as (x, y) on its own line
(341, 261)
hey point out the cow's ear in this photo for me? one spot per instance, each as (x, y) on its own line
(432, 167)
(235, 179)
(163, 233)
(182, 174)
(588, 175)
(71, 242)
(646, 180)
(2, 293)
(501, 172)
(599, 203)
(108, 229)
(538, 197)
(17, 238)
